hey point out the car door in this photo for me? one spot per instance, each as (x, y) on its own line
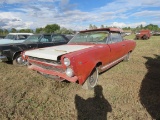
(117, 46)
(20, 38)
(59, 40)
(45, 41)
(32, 45)
(32, 41)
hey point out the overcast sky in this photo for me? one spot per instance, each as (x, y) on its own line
(78, 14)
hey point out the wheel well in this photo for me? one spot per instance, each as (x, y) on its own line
(98, 64)
(144, 35)
(15, 54)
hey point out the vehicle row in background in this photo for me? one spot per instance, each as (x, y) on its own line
(81, 60)
(15, 38)
(156, 34)
(12, 52)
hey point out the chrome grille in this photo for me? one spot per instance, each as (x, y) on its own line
(45, 66)
(45, 60)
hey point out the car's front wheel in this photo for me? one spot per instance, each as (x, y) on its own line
(18, 61)
(92, 80)
(127, 57)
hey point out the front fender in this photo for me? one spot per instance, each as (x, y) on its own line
(11, 51)
(84, 69)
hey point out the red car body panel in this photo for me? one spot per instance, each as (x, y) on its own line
(83, 61)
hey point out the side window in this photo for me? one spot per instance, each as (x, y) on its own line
(115, 37)
(58, 38)
(120, 37)
(46, 38)
(22, 37)
(99, 37)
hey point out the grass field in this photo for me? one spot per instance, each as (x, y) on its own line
(128, 91)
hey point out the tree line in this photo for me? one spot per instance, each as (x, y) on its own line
(151, 27)
(52, 28)
(55, 28)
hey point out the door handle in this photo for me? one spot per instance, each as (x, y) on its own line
(123, 45)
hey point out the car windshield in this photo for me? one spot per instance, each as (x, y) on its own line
(33, 38)
(12, 37)
(92, 37)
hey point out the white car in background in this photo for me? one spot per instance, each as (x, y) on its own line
(127, 33)
(15, 38)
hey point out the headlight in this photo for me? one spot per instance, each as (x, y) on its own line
(67, 61)
(69, 72)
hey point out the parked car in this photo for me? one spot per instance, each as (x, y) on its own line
(15, 38)
(143, 34)
(69, 36)
(2, 37)
(127, 33)
(156, 33)
(12, 52)
(81, 60)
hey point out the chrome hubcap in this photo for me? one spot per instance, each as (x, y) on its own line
(20, 60)
(93, 78)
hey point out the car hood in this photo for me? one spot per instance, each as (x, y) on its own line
(52, 53)
(7, 41)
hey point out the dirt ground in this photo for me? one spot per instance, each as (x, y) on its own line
(128, 91)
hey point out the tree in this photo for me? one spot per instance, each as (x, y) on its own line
(13, 30)
(102, 26)
(26, 31)
(152, 27)
(94, 27)
(141, 26)
(51, 28)
(64, 31)
(149, 27)
(126, 28)
(1, 31)
(5, 31)
(90, 27)
(39, 30)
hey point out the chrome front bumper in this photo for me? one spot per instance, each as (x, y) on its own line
(3, 58)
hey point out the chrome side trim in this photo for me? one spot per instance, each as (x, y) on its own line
(112, 64)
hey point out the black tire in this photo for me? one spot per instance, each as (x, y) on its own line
(126, 59)
(92, 80)
(136, 38)
(145, 37)
(18, 61)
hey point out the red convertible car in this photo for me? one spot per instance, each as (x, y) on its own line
(81, 60)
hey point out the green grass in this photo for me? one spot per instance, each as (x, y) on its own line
(24, 94)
